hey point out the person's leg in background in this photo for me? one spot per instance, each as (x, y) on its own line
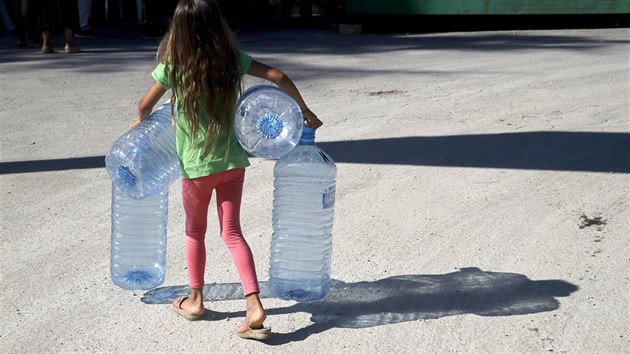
(158, 14)
(20, 10)
(6, 19)
(85, 10)
(69, 17)
(150, 28)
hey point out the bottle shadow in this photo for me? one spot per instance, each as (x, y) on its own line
(396, 299)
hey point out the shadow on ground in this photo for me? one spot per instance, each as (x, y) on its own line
(556, 151)
(544, 150)
(122, 49)
(324, 43)
(397, 299)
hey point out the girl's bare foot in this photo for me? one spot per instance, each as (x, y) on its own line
(255, 319)
(253, 327)
(193, 307)
(190, 306)
(256, 314)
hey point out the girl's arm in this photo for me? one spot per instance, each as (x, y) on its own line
(145, 106)
(283, 81)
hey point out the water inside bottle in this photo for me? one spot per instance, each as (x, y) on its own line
(139, 279)
(300, 291)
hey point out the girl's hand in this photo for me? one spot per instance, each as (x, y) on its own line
(135, 123)
(311, 119)
(145, 106)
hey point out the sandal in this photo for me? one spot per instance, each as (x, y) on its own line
(247, 332)
(177, 307)
(47, 50)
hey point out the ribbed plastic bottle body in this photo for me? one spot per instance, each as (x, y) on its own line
(138, 243)
(267, 121)
(303, 209)
(144, 160)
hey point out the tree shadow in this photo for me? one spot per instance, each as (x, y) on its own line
(555, 151)
(71, 163)
(321, 42)
(95, 58)
(123, 49)
(398, 299)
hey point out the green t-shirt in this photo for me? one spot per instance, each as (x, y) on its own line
(193, 162)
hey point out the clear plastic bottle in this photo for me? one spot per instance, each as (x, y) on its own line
(303, 209)
(142, 164)
(267, 121)
(138, 244)
(144, 160)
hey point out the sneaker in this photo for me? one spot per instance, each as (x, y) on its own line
(85, 33)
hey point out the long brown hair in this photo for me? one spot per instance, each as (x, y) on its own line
(204, 69)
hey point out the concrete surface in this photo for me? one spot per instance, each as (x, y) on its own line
(482, 198)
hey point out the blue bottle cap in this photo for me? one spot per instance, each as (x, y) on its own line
(269, 126)
(125, 178)
(308, 136)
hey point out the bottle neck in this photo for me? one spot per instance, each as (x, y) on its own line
(308, 136)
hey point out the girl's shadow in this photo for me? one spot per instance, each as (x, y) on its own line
(399, 298)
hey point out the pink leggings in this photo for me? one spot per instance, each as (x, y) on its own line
(197, 193)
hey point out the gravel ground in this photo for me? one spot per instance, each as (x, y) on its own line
(482, 198)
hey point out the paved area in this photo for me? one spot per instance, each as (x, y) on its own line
(482, 198)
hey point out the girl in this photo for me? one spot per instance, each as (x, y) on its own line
(200, 63)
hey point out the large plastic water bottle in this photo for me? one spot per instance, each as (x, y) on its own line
(303, 208)
(138, 245)
(144, 160)
(142, 164)
(267, 121)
